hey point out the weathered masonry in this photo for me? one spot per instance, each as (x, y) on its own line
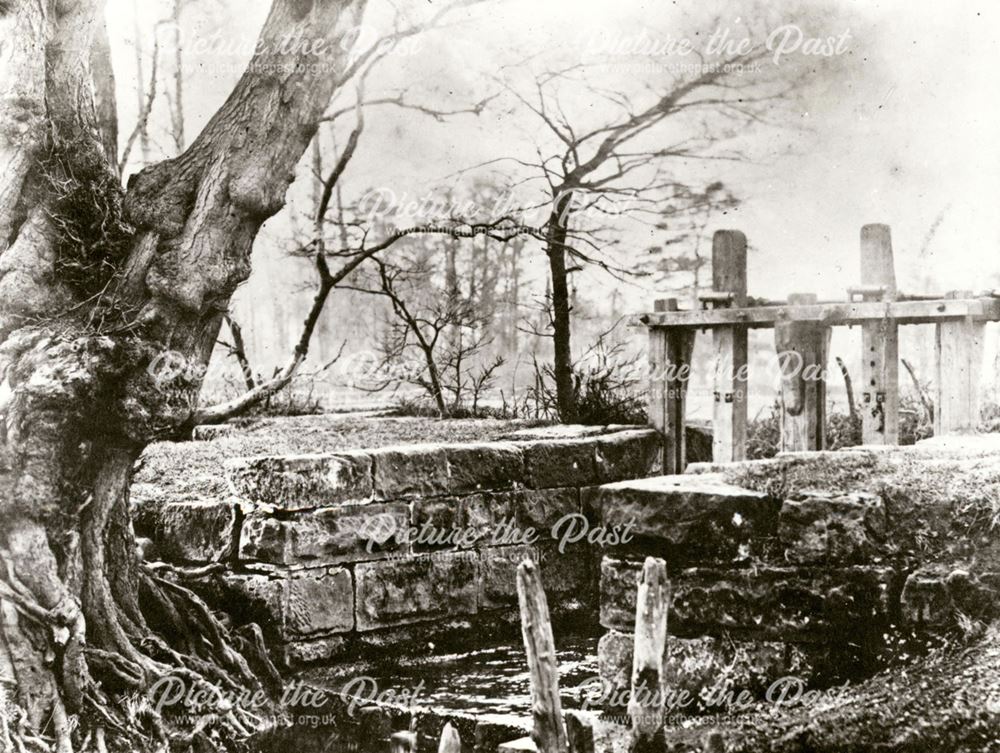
(807, 564)
(323, 550)
(802, 326)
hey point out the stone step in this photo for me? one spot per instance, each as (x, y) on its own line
(691, 518)
(694, 519)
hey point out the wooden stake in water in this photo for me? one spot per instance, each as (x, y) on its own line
(549, 731)
(403, 742)
(646, 706)
(450, 741)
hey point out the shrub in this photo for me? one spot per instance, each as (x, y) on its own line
(842, 430)
(424, 407)
(608, 388)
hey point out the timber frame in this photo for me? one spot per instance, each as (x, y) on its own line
(802, 326)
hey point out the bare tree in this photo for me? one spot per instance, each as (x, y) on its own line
(628, 156)
(434, 318)
(318, 246)
(95, 282)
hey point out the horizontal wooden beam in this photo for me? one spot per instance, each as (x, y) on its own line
(845, 313)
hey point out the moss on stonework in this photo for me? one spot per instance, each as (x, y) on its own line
(947, 702)
(942, 505)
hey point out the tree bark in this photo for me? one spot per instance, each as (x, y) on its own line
(555, 248)
(95, 283)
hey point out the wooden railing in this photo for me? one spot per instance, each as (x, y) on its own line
(802, 327)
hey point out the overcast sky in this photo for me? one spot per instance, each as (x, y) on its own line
(907, 137)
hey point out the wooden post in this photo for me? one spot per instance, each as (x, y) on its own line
(646, 705)
(656, 403)
(670, 367)
(879, 343)
(729, 409)
(549, 732)
(959, 352)
(802, 350)
(580, 731)
(450, 740)
(403, 742)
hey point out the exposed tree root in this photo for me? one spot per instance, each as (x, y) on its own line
(81, 667)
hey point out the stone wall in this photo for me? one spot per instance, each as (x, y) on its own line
(810, 564)
(324, 551)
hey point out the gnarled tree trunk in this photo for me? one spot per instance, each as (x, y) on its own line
(95, 282)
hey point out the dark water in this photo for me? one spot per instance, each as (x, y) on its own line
(490, 681)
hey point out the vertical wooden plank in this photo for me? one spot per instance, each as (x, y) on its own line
(656, 404)
(680, 343)
(959, 352)
(802, 352)
(729, 408)
(879, 344)
(877, 267)
(646, 704)
(450, 740)
(669, 369)
(549, 731)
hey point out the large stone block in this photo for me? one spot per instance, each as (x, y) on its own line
(411, 471)
(287, 605)
(436, 523)
(509, 518)
(318, 603)
(629, 455)
(486, 466)
(423, 587)
(302, 482)
(618, 586)
(248, 597)
(194, 531)
(614, 667)
(933, 597)
(543, 509)
(688, 518)
(787, 604)
(490, 518)
(925, 601)
(789, 472)
(821, 527)
(350, 533)
(566, 577)
(570, 462)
